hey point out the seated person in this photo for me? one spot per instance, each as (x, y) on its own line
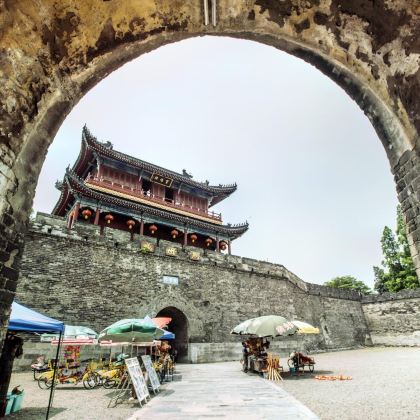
(299, 358)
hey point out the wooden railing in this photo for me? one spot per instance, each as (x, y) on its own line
(148, 196)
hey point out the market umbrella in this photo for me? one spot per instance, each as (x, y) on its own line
(305, 328)
(265, 326)
(162, 321)
(167, 335)
(72, 332)
(131, 330)
(78, 331)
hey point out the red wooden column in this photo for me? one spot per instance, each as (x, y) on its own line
(96, 222)
(229, 248)
(185, 237)
(142, 227)
(217, 244)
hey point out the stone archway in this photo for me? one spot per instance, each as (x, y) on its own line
(178, 326)
(52, 53)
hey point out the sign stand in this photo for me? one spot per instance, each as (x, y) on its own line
(135, 377)
(151, 373)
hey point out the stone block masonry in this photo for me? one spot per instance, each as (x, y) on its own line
(393, 319)
(82, 277)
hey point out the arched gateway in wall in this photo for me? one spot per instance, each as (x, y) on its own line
(52, 55)
(178, 326)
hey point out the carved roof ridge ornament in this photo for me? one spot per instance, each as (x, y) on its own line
(76, 184)
(185, 173)
(59, 185)
(220, 191)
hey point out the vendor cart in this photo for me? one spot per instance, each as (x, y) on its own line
(298, 361)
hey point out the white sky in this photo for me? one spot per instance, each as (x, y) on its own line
(313, 178)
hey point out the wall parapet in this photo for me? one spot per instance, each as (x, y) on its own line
(57, 226)
(389, 296)
(333, 292)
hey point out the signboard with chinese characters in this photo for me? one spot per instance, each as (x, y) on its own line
(195, 256)
(171, 251)
(137, 379)
(173, 280)
(162, 180)
(153, 378)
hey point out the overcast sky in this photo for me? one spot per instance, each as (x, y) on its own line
(313, 178)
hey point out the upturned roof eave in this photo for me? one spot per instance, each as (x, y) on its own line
(218, 191)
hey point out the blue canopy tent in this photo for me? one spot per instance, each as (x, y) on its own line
(26, 320)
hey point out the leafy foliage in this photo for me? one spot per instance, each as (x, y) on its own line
(397, 271)
(348, 282)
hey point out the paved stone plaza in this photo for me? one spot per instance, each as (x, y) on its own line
(384, 386)
(222, 390)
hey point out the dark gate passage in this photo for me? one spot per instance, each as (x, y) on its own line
(178, 326)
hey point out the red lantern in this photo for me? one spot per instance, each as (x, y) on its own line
(193, 237)
(174, 234)
(130, 223)
(109, 218)
(223, 245)
(209, 241)
(86, 213)
(153, 229)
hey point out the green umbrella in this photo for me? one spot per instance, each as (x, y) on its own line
(265, 326)
(72, 331)
(132, 331)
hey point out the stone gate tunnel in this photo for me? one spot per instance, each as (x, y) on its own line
(52, 55)
(178, 326)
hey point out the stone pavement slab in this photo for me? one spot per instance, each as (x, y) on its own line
(222, 391)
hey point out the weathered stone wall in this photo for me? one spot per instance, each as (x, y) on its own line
(393, 319)
(83, 278)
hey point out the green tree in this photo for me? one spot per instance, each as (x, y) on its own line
(397, 271)
(348, 282)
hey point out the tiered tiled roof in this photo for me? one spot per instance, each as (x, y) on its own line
(92, 148)
(74, 185)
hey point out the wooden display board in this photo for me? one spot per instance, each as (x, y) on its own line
(153, 377)
(137, 379)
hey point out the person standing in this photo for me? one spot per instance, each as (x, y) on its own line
(245, 354)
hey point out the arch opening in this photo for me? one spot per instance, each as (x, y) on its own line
(178, 326)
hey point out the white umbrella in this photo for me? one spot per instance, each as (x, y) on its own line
(266, 326)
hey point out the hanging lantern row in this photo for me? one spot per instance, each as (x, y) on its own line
(86, 213)
(208, 241)
(153, 229)
(130, 223)
(174, 234)
(223, 245)
(193, 237)
(109, 218)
